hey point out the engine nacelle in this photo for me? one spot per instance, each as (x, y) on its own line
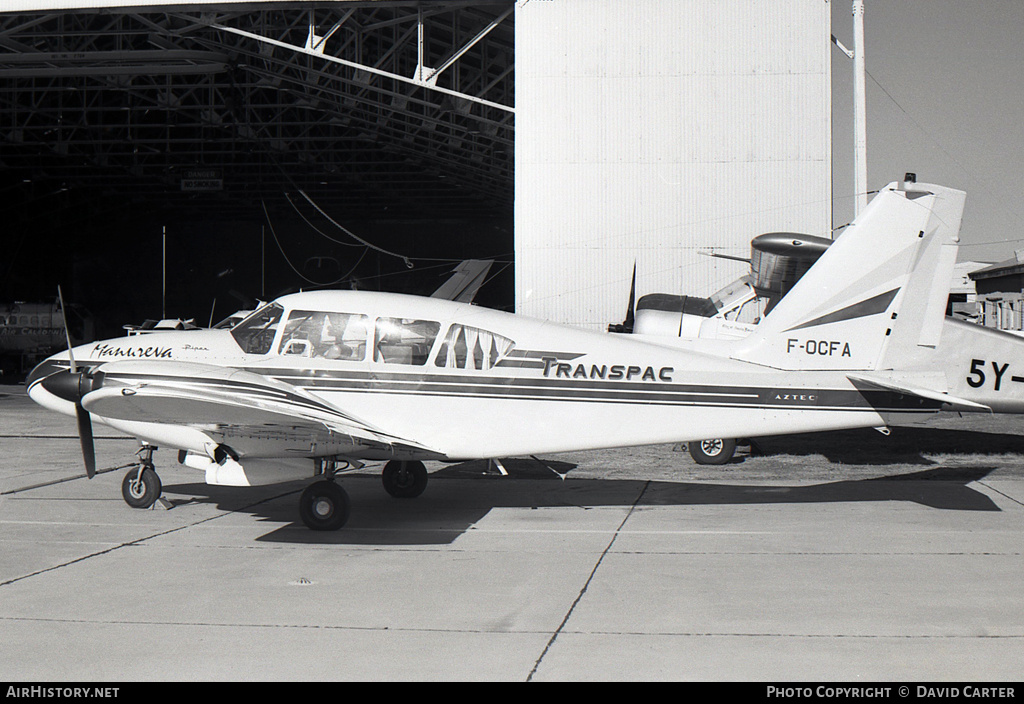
(256, 471)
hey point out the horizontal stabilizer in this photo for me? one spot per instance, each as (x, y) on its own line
(899, 386)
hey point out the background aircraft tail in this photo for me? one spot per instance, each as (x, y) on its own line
(878, 292)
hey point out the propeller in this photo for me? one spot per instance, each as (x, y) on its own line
(627, 325)
(72, 385)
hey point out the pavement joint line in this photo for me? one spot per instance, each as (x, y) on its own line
(586, 585)
(407, 629)
(664, 634)
(1003, 494)
(138, 541)
(22, 436)
(52, 482)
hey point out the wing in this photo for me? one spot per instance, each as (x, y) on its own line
(249, 408)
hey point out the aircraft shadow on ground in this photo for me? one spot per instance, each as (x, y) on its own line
(459, 497)
(907, 445)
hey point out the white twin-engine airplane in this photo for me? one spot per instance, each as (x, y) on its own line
(314, 382)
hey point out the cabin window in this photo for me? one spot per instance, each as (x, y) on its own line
(404, 341)
(255, 334)
(466, 347)
(325, 335)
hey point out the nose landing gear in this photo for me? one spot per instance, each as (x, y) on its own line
(141, 487)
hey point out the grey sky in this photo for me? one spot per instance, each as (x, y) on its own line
(945, 99)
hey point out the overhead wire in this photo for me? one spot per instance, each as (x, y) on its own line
(298, 273)
(367, 246)
(939, 145)
(408, 262)
(315, 228)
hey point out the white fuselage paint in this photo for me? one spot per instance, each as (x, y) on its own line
(558, 389)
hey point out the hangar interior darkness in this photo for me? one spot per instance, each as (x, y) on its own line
(259, 137)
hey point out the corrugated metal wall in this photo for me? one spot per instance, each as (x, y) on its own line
(647, 130)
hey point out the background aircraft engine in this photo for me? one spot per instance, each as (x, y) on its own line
(779, 259)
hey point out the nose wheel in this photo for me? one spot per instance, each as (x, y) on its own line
(141, 487)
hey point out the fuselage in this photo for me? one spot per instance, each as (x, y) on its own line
(470, 382)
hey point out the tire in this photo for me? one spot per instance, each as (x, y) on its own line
(141, 492)
(324, 506)
(712, 451)
(404, 480)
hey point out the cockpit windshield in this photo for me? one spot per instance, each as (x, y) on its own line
(255, 334)
(738, 302)
(732, 294)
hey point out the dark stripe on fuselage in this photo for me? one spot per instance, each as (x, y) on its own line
(232, 386)
(538, 354)
(572, 390)
(320, 381)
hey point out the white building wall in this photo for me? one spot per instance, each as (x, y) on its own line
(647, 130)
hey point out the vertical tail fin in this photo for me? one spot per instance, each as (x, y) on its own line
(877, 293)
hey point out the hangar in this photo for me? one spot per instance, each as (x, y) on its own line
(184, 158)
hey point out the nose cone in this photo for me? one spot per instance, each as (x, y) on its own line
(43, 370)
(38, 392)
(64, 385)
(52, 381)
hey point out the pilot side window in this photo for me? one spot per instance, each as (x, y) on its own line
(326, 335)
(466, 347)
(256, 333)
(404, 341)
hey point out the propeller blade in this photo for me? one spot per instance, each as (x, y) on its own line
(626, 326)
(631, 312)
(69, 385)
(85, 436)
(67, 334)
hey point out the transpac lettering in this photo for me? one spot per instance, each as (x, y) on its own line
(615, 372)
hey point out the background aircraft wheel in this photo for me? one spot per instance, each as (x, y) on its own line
(324, 506)
(404, 480)
(141, 492)
(713, 451)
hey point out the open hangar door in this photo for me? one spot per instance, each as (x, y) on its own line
(240, 150)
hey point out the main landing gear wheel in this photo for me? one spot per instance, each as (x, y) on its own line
(141, 489)
(404, 480)
(324, 506)
(713, 451)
